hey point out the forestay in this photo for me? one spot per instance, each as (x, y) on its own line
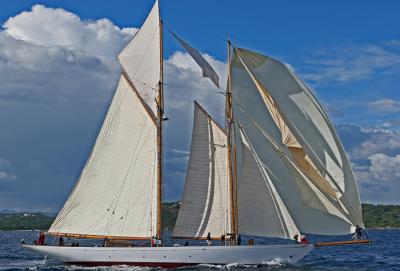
(205, 201)
(116, 193)
(296, 145)
(140, 59)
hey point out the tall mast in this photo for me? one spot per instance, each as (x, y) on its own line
(232, 168)
(160, 114)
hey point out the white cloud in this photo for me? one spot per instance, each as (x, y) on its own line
(385, 105)
(45, 26)
(7, 176)
(379, 141)
(380, 181)
(344, 64)
(5, 170)
(52, 55)
(384, 168)
(375, 158)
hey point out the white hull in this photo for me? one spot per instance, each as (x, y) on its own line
(174, 256)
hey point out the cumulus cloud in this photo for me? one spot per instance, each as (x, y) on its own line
(45, 26)
(344, 64)
(52, 55)
(379, 141)
(380, 180)
(375, 157)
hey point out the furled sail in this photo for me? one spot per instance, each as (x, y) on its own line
(205, 203)
(296, 145)
(116, 193)
(140, 59)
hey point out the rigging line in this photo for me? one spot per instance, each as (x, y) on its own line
(215, 37)
(223, 92)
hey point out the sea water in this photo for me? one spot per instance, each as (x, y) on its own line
(382, 254)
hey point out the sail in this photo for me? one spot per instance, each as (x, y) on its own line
(205, 203)
(116, 192)
(140, 59)
(207, 69)
(311, 188)
(260, 210)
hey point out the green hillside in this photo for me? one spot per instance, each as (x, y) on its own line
(381, 216)
(375, 216)
(25, 221)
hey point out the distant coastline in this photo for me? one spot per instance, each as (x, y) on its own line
(375, 217)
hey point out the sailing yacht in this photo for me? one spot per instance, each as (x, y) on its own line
(276, 169)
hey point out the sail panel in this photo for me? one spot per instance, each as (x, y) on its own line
(301, 201)
(116, 192)
(140, 59)
(260, 211)
(205, 203)
(310, 124)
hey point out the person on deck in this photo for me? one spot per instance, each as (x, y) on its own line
(301, 239)
(61, 242)
(358, 234)
(186, 243)
(238, 240)
(223, 240)
(209, 239)
(42, 239)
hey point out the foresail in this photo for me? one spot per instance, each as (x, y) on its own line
(261, 212)
(307, 183)
(205, 201)
(116, 193)
(140, 59)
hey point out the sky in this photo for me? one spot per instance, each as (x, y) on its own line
(58, 72)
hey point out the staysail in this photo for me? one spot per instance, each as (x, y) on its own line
(205, 201)
(295, 143)
(261, 211)
(116, 195)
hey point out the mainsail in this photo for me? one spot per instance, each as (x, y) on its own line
(295, 143)
(205, 200)
(117, 193)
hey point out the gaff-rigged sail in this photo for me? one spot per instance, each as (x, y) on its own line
(205, 201)
(279, 116)
(117, 193)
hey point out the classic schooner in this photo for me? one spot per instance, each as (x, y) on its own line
(276, 169)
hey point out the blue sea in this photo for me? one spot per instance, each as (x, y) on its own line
(382, 254)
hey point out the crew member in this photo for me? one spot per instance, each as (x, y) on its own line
(209, 239)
